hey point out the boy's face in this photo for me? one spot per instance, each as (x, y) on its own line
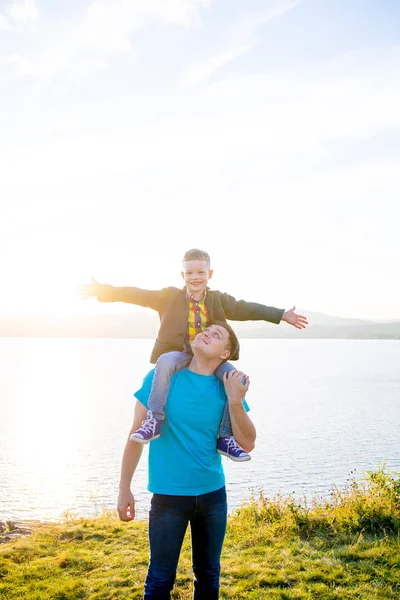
(196, 275)
(212, 343)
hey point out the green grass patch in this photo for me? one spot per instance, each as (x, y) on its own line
(343, 548)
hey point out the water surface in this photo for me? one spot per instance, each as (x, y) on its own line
(323, 409)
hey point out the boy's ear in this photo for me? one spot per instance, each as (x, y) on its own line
(183, 275)
(210, 273)
(226, 354)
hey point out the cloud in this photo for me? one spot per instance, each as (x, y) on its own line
(24, 10)
(276, 118)
(284, 139)
(18, 15)
(5, 24)
(202, 71)
(241, 39)
(103, 31)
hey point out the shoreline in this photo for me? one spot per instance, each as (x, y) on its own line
(273, 548)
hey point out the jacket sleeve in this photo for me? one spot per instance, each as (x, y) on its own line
(240, 310)
(132, 295)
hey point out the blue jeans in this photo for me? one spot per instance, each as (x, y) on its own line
(169, 518)
(166, 366)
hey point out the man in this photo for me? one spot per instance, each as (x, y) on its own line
(185, 471)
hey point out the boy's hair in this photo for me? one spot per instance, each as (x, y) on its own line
(233, 343)
(196, 254)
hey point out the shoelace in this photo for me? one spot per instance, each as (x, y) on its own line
(148, 425)
(233, 445)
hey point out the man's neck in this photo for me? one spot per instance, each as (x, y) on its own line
(203, 366)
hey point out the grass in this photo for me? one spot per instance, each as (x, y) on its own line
(343, 548)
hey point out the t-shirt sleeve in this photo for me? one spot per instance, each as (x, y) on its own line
(144, 392)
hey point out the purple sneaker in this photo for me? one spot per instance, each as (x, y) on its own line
(149, 430)
(230, 448)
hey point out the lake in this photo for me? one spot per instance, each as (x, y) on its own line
(325, 411)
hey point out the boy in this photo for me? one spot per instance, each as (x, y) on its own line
(183, 314)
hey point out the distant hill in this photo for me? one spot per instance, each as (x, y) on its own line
(145, 325)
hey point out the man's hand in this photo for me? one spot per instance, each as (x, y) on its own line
(236, 385)
(298, 321)
(87, 290)
(130, 460)
(126, 506)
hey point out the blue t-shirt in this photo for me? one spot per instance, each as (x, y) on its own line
(183, 461)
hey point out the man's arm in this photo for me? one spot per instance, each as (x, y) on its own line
(243, 429)
(131, 295)
(130, 460)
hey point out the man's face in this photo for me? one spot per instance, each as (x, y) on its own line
(213, 342)
(196, 275)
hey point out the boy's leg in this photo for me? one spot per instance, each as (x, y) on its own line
(166, 366)
(226, 444)
(225, 428)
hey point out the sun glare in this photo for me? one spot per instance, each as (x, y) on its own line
(48, 432)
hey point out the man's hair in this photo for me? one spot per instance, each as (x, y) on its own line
(196, 254)
(233, 342)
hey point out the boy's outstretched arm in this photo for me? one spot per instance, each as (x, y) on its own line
(298, 321)
(131, 295)
(241, 310)
(89, 289)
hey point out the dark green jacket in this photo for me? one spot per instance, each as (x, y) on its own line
(172, 305)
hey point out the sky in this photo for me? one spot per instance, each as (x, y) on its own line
(266, 132)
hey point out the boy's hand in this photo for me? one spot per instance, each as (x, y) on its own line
(236, 385)
(298, 321)
(87, 290)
